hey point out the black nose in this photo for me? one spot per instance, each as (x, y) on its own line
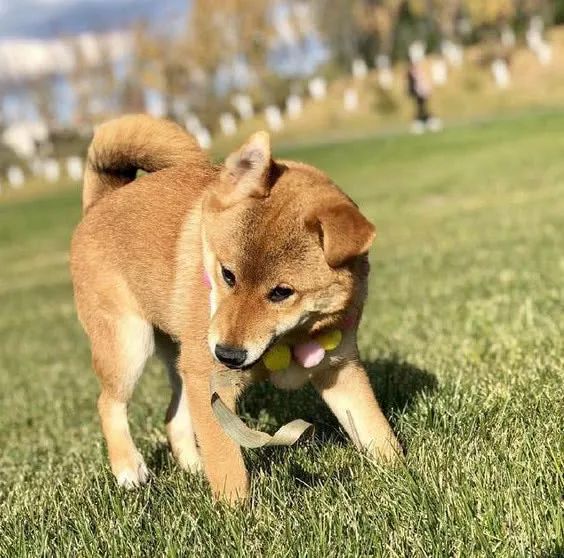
(233, 357)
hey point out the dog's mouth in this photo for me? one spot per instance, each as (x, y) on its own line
(275, 338)
(247, 366)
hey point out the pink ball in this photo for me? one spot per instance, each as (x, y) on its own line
(309, 354)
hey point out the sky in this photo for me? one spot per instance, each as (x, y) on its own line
(51, 18)
(48, 19)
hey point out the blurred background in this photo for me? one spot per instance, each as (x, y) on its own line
(444, 121)
(308, 70)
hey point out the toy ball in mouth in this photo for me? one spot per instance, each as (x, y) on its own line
(330, 340)
(307, 354)
(278, 357)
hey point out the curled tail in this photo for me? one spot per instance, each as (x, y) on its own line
(123, 146)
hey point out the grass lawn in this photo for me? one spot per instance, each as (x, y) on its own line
(462, 335)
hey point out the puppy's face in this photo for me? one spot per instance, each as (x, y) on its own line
(281, 249)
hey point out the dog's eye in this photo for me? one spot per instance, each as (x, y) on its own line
(280, 293)
(228, 276)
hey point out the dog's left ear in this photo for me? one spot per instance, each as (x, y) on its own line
(344, 232)
(246, 171)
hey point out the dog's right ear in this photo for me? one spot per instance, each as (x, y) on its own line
(343, 231)
(246, 171)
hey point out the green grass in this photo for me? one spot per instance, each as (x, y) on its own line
(462, 335)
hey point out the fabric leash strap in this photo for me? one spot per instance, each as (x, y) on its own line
(239, 432)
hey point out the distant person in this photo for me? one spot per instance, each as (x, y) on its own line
(419, 90)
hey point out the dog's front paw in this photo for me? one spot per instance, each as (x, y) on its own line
(387, 450)
(233, 489)
(188, 459)
(131, 473)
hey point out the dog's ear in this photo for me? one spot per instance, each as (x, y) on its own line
(343, 231)
(246, 170)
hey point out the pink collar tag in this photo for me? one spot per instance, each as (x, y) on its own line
(206, 279)
(350, 320)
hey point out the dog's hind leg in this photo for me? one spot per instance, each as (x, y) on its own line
(178, 419)
(120, 348)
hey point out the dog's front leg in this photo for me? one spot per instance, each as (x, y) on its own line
(222, 458)
(348, 393)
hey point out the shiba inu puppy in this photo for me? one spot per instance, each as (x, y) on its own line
(284, 256)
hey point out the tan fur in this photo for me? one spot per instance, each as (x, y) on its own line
(131, 146)
(138, 259)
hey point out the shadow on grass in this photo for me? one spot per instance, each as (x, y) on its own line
(159, 458)
(397, 385)
(556, 552)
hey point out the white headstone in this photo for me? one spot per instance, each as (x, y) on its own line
(51, 170)
(15, 177)
(385, 75)
(359, 69)
(544, 53)
(439, 71)
(464, 26)
(244, 106)
(537, 23)
(294, 106)
(317, 88)
(350, 99)
(36, 166)
(508, 39)
(203, 137)
(383, 62)
(179, 107)
(97, 105)
(23, 137)
(193, 124)
(501, 73)
(273, 118)
(156, 106)
(227, 124)
(536, 42)
(303, 12)
(74, 168)
(416, 51)
(534, 38)
(453, 53)
(385, 78)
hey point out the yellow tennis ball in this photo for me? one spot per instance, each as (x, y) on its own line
(277, 357)
(330, 340)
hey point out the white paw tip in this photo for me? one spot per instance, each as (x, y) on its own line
(190, 463)
(129, 478)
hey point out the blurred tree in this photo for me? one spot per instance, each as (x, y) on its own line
(43, 93)
(131, 97)
(558, 11)
(224, 35)
(164, 63)
(377, 19)
(102, 82)
(355, 28)
(210, 41)
(543, 8)
(489, 18)
(339, 27)
(490, 12)
(446, 13)
(207, 28)
(80, 82)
